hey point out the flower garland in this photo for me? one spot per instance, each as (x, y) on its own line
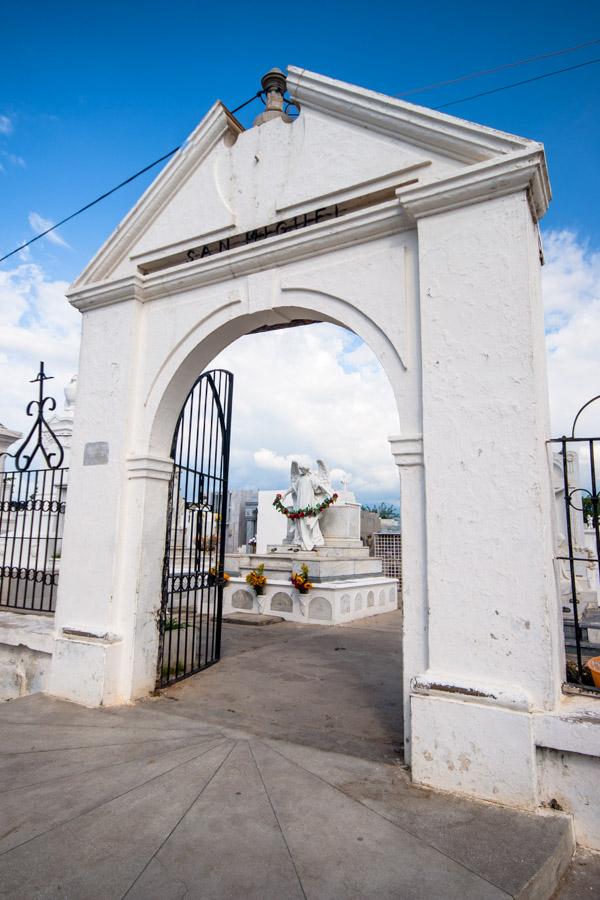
(303, 513)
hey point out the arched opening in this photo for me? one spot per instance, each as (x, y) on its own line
(312, 391)
(195, 352)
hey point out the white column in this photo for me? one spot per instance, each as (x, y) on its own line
(494, 629)
(407, 451)
(91, 651)
(141, 572)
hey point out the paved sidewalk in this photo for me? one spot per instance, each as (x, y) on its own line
(582, 880)
(336, 688)
(139, 802)
(179, 796)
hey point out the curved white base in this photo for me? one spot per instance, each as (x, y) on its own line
(328, 603)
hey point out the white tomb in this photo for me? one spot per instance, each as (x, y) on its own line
(347, 583)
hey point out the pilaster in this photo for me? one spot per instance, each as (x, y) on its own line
(407, 451)
(140, 577)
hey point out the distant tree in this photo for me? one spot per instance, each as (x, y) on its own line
(588, 507)
(383, 510)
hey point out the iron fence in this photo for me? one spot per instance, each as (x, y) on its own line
(32, 506)
(578, 551)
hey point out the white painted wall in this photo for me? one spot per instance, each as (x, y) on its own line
(568, 754)
(271, 526)
(26, 647)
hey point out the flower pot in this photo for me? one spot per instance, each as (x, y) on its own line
(594, 667)
(259, 591)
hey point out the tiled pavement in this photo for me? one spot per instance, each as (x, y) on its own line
(160, 800)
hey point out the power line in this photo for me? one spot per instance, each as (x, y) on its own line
(506, 87)
(246, 102)
(93, 203)
(112, 190)
(502, 68)
(259, 94)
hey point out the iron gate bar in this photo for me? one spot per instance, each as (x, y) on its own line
(585, 406)
(192, 585)
(571, 560)
(594, 498)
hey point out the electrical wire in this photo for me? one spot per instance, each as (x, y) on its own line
(92, 203)
(514, 84)
(246, 102)
(416, 90)
(502, 68)
(112, 190)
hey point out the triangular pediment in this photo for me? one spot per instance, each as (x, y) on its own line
(346, 143)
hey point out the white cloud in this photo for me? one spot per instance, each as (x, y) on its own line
(36, 323)
(6, 125)
(308, 393)
(39, 224)
(267, 459)
(14, 159)
(340, 474)
(571, 282)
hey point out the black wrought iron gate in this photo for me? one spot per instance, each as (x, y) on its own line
(192, 587)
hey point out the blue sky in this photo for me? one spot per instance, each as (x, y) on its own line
(94, 91)
(91, 93)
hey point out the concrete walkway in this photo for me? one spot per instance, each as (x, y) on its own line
(336, 688)
(158, 801)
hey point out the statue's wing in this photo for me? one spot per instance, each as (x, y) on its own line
(324, 479)
(294, 473)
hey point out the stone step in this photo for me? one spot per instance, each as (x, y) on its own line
(339, 548)
(242, 618)
(319, 569)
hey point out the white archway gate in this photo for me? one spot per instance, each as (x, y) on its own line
(418, 231)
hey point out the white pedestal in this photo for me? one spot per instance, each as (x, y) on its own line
(340, 525)
(347, 583)
(328, 603)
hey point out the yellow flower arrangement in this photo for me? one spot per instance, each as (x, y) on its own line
(300, 580)
(257, 579)
(212, 576)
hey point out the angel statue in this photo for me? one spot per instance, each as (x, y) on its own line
(307, 490)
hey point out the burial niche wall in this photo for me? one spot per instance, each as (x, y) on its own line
(282, 602)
